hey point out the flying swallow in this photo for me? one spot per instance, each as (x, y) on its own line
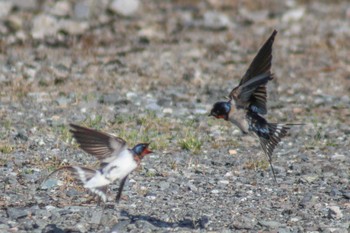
(247, 103)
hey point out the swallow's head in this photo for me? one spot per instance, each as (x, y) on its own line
(221, 110)
(141, 149)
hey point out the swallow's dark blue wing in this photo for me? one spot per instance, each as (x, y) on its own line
(255, 97)
(261, 63)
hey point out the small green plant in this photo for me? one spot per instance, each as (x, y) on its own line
(160, 143)
(191, 142)
(147, 118)
(6, 149)
(28, 171)
(317, 134)
(3, 160)
(131, 136)
(7, 124)
(93, 122)
(263, 164)
(173, 165)
(88, 97)
(52, 168)
(150, 173)
(146, 127)
(64, 133)
(120, 119)
(258, 164)
(43, 83)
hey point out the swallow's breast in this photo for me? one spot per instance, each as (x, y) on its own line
(120, 167)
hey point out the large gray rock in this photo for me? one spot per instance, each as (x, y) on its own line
(15, 213)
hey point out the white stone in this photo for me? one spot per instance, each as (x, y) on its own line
(337, 156)
(293, 15)
(168, 110)
(151, 197)
(73, 27)
(215, 191)
(216, 21)
(151, 33)
(131, 95)
(44, 25)
(50, 207)
(125, 7)
(224, 181)
(61, 8)
(228, 174)
(200, 111)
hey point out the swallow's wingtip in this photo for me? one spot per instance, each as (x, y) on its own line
(273, 34)
(73, 127)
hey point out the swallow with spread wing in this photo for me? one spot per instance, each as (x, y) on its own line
(117, 161)
(249, 105)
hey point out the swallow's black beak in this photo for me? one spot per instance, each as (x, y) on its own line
(212, 113)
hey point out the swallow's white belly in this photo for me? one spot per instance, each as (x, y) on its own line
(238, 118)
(98, 180)
(116, 169)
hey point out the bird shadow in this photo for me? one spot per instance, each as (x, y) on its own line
(185, 223)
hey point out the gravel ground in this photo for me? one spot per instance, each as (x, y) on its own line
(150, 71)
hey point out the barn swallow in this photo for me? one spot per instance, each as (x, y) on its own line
(117, 161)
(247, 103)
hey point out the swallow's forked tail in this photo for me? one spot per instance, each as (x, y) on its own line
(84, 174)
(269, 141)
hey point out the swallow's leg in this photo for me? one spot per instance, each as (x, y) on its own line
(272, 169)
(120, 189)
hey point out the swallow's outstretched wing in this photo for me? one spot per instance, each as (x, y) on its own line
(251, 91)
(103, 146)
